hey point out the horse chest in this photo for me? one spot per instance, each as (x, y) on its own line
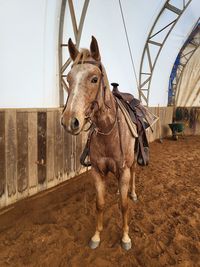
(105, 153)
(106, 146)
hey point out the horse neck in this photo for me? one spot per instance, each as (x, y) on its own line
(105, 116)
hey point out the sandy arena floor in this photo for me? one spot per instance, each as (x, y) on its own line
(54, 229)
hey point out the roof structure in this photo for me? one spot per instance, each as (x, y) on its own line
(139, 42)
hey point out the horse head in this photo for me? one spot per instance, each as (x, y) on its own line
(86, 87)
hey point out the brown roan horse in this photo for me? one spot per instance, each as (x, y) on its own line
(112, 144)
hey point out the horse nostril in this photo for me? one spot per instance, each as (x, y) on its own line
(74, 124)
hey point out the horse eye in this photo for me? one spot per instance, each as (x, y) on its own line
(94, 80)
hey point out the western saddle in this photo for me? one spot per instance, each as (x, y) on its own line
(137, 113)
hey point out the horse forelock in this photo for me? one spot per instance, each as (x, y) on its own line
(83, 55)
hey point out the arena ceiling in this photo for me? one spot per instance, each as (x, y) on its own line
(139, 43)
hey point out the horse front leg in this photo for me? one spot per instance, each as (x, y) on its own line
(133, 195)
(100, 201)
(123, 188)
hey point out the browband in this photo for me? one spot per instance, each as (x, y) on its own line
(97, 63)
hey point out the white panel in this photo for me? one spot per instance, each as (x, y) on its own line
(28, 53)
(50, 48)
(189, 84)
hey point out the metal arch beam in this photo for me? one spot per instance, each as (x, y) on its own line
(194, 40)
(61, 26)
(145, 77)
(64, 63)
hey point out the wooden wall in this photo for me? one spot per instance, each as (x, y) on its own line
(191, 127)
(161, 128)
(36, 153)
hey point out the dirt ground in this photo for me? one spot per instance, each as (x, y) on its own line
(54, 229)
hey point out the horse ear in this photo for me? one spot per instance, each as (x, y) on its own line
(94, 49)
(73, 51)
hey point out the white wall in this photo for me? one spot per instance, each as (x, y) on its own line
(29, 38)
(189, 84)
(28, 67)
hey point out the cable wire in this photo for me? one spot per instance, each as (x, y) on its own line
(129, 47)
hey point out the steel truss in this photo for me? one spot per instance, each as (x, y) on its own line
(77, 29)
(185, 54)
(153, 48)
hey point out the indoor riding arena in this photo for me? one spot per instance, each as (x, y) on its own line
(100, 133)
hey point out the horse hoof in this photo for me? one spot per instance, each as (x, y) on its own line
(94, 244)
(126, 245)
(134, 198)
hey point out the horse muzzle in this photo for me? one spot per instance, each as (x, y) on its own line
(72, 126)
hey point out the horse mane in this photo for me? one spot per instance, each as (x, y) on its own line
(82, 56)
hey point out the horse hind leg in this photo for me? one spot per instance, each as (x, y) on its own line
(133, 195)
(123, 187)
(100, 201)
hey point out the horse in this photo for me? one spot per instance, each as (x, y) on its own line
(111, 143)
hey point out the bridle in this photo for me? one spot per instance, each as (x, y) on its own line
(88, 116)
(101, 89)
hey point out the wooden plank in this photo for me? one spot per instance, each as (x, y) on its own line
(73, 157)
(58, 155)
(67, 152)
(50, 146)
(32, 152)
(22, 151)
(78, 152)
(41, 135)
(11, 155)
(2, 154)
